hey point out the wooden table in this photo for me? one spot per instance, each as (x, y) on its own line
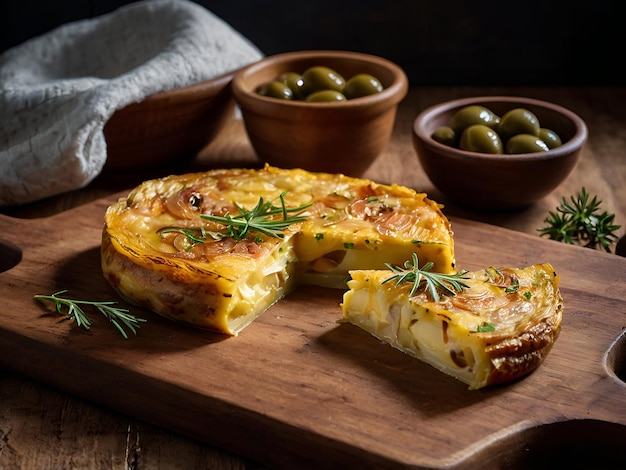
(41, 427)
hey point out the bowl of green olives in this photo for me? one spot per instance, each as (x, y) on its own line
(328, 111)
(498, 152)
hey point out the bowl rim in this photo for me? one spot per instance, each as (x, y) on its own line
(391, 95)
(212, 85)
(576, 141)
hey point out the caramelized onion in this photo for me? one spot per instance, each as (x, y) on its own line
(395, 222)
(366, 209)
(190, 202)
(184, 204)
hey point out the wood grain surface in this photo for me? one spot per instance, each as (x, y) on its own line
(297, 388)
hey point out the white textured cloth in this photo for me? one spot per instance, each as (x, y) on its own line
(58, 90)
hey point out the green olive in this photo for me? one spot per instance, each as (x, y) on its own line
(526, 143)
(293, 80)
(473, 114)
(276, 89)
(325, 95)
(319, 77)
(550, 137)
(445, 135)
(362, 84)
(480, 138)
(518, 121)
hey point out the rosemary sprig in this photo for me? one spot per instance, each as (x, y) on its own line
(262, 219)
(194, 236)
(579, 221)
(411, 272)
(120, 317)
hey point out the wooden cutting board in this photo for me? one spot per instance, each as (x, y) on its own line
(299, 389)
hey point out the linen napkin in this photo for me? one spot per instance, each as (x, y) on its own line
(58, 90)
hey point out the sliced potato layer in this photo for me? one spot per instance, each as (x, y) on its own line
(500, 328)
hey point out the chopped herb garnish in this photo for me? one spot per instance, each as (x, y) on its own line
(411, 272)
(319, 236)
(512, 288)
(348, 245)
(485, 327)
(527, 295)
(415, 241)
(120, 317)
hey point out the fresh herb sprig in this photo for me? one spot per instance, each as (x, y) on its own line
(120, 317)
(262, 219)
(411, 272)
(579, 221)
(194, 236)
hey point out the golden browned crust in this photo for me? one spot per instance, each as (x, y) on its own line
(500, 328)
(515, 357)
(159, 293)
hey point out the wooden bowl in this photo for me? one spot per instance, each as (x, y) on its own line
(337, 137)
(168, 126)
(502, 181)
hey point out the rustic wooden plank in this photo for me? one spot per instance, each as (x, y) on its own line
(38, 418)
(297, 386)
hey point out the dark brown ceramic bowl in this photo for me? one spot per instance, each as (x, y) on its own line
(336, 137)
(503, 181)
(168, 126)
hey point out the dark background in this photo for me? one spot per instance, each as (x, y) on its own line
(436, 42)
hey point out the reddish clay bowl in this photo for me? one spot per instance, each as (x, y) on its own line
(336, 137)
(503, 181)
(168, 126)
